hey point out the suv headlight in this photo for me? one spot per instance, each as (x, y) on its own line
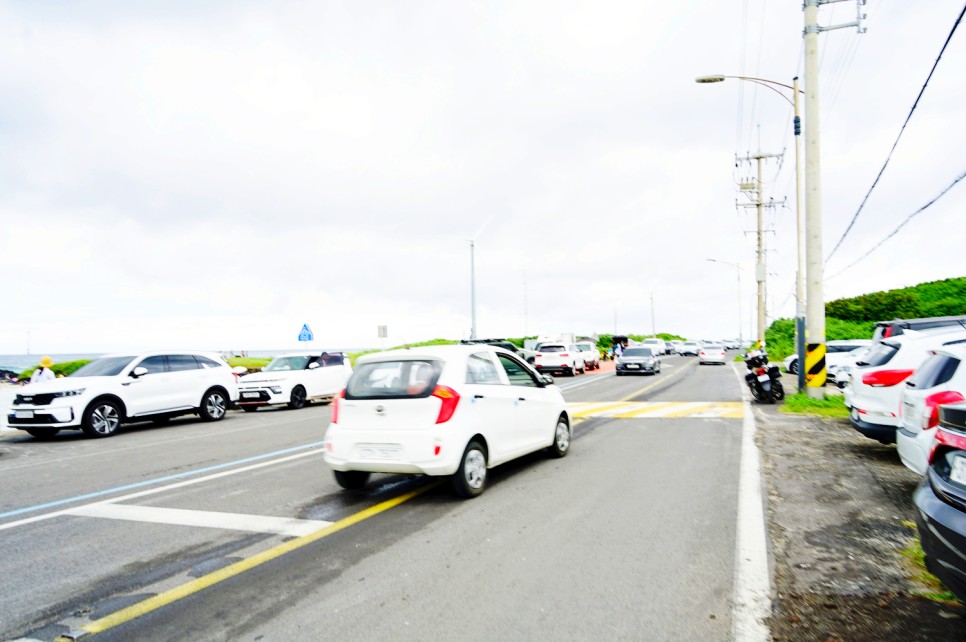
(70, 393)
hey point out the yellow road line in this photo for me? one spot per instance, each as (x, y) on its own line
(691, 410)
(676, 373)
(585, 412)
(180, 592)
(651, 407)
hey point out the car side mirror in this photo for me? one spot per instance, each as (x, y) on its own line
(140, 371)
(314, 365)
(546, 379)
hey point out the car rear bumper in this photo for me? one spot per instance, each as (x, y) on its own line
(884, 433)
(912, 451)
(942, 532)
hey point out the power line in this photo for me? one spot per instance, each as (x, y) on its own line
(901, 130)
(901, 225)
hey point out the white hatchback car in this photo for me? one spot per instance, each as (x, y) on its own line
(115, 389)
(711, 353)
(294, 380)
(941, 379)
(443, 411)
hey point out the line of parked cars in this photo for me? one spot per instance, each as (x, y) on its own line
(156, 386)
(568, 359)
(909, 388)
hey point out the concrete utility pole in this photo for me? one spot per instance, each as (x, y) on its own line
(815, 372)
(472, 289)
(760, 270)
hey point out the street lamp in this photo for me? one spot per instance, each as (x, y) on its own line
(741, 338)
(800, 222)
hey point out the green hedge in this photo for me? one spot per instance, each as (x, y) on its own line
(780, 337)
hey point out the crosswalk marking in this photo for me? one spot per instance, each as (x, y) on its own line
(658, 409)
(206, 519)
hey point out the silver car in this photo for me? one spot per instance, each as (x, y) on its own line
(638, 359)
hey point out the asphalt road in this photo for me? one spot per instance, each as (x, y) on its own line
(632, 536)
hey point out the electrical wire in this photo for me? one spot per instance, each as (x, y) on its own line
(901, 225)
(901, 130)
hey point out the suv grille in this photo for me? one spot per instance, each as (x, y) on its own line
(37, 400)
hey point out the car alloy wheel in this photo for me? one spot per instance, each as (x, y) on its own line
(561, 439)
(470, 477)
(102, 419)
(213, 406)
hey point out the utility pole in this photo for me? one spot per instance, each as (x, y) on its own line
(799, 250)
(814, 361)
(473, 288)
(760, 270)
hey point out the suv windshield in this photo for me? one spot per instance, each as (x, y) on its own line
(879, 355)
(103, 367)
(287, 363)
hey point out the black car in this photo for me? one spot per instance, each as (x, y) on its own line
(941, 502)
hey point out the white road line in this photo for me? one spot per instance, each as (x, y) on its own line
(206, 519)
(160, 489)
(752, 582)
(577, 384)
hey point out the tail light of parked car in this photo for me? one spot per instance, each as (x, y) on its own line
(885, 378)
(335, 406)
(449, 399)
(930, 413)
(945, 440)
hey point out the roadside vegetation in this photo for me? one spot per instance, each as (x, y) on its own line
(800, 404)
(855, 318)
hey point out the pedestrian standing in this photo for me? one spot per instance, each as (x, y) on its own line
(618, 349)
(44, 372)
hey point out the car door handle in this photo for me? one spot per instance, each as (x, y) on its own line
(478, 397)
(521, 398)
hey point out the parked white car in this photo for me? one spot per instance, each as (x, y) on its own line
(590, 354)
(295, 379)
(873, 391)
(839, 373)
(559, 357)
(443, 411)
(689, 348)
(941, 379)
(836, 353)
(116, 389)
(657, 345)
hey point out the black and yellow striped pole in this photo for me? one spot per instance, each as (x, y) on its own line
(815, 373)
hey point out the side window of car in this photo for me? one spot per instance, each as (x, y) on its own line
(205, 362)
(154, 365)
(481, 369)
(518, 374)
(181, 362)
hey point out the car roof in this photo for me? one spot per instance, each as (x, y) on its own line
(154, 353)
(855, 342)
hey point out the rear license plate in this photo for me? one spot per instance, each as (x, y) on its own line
(380, 452)
(763, 377)
(958, 472)
(24, 414)
(250, 395)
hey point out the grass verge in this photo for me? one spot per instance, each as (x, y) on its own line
(800, 404)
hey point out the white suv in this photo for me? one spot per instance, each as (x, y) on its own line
(295, 379)
(114, 389)
(590, 353)
(559, 357)
(873, 393)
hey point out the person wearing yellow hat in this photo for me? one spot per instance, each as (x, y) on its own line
(44, 372)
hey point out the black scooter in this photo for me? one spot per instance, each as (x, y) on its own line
(763, 380)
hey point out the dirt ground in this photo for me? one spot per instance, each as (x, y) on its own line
(839, 507)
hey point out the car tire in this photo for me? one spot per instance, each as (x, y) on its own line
(297, 398)
(351, 479)
(561, 439)
(793, 367)
(43, 433)
(249, 408)
(102, 418)
(214, 405)
(470, 478)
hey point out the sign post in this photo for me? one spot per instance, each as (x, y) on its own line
(383, 331)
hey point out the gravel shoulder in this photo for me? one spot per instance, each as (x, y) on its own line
(839, 509)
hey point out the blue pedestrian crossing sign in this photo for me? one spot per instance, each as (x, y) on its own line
(306, 333)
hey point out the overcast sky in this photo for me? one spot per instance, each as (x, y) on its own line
(214, 175)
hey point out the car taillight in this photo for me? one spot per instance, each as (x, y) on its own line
(449, 398)
(564, 354)
(930, 414)
(335, 406)
(884, 378)
(944, 438)
(538, 354)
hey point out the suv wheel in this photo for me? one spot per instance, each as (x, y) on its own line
(102, 418)
(297, 400)
(214, 405)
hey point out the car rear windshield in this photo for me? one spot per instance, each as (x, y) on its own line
(879, 355)
(638, 352)
(103, 367)
(402, 379)
(937, 369)
(712, 347)
(552, 348)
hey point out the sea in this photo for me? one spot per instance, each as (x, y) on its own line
(21, 362)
